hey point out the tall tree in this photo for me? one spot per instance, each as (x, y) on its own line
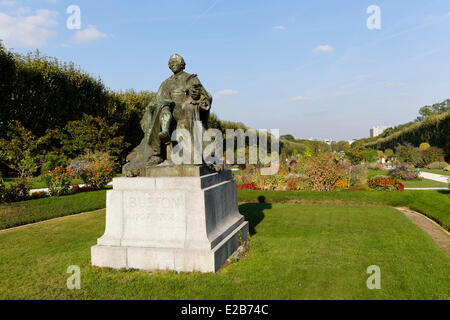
(437, 108)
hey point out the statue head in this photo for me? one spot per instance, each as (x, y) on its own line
(176, 63)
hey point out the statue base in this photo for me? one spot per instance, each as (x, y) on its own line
(172, 222)
(166, 169)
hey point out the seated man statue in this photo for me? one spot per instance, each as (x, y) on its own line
(158, 122)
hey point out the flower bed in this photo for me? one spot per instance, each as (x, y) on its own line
(58, 181)
(385, 184)
(248, 186)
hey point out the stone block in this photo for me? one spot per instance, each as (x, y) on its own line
(187, 223)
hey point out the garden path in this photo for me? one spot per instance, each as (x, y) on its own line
(435, 177)
(45, 190)
(436, 232)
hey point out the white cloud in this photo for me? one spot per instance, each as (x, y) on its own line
(324, 48)
(225, 93)
(27, 31)
(91, 33)
(6, 3)
(447, 14)
(279, 28)
(300, 99)
(342, 93)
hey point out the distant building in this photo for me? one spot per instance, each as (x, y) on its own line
(376, 131)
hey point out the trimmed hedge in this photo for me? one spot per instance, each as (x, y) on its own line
(435, 130)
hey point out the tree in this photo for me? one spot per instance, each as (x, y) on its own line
(409, 154)
(288, 137)
(46, 93)
(7, 82)
(91, 134)
(388, 153)
(340, 146)
(437, 108)
(433, 154)
(21, 150)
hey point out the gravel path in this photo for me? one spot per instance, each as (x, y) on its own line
(45, 190)
(436, 232)
(435, 177)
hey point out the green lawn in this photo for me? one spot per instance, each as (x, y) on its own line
(38, 183)
(20, 213)
(424, 183)
(296, 252)
(432, 203)
(373, 173)
(441, 172)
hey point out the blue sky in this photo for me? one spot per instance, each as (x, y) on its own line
(309, 68)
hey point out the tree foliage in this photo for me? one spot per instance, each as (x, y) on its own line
(434, 129)
(46, 95)
(435, 109)
(21, 150)
(91, 134)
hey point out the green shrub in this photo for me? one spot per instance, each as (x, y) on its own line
(424, 146)
(53, 161)
(358, 155)
(404, 172)
(437, 165)
(2, 191)
(433, 154)
(19, 191)
(388, 153)
(358, 175)
(58, 181)
(96, 169)
(323, 172)
(92, 134)
(407, 153)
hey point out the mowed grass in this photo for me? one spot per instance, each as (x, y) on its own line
(434, 204)
(20, 213)
(38, 182)
(295, 252)
(441, 172)
(424, 183)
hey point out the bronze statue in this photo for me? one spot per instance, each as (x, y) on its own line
(181, 100)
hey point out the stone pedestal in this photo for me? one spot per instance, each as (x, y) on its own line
(182, 223)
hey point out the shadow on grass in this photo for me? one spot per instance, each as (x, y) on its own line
(447, 192)
(254, 212)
